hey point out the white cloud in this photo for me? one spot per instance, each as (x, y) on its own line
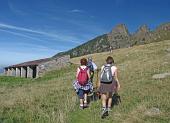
(20, 34)
(27, 30)
(76, 11)
(51, 35)
(37, 47)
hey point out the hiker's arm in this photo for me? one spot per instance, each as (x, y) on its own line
(88, 73)
(94, 66)
(99, 71)
(97, 84)
(116, 78)
(77, 73)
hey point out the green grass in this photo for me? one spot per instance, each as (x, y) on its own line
(51, 98)
(13, 81)
(139, 92)
(39, 100)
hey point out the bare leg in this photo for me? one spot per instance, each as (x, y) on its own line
(109, 101)
(85, 98)
(81, 97)
(81, 102)
(104, 99)
(104, 109)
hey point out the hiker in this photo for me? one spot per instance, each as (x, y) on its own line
(82, 84)
(92, 67)
(110, 49)
(108, 85)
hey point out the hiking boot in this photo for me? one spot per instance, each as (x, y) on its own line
(104, 113)
(81, 107)
(109, 109)
(85, 105)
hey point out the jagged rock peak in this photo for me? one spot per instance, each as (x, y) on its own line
(143, 29)
(121, 29)
(165, 26)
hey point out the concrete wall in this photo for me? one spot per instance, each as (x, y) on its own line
(23, 72)
(37, 71)
(18, 72)
(29, 72)
(13, 73)
(9, 72)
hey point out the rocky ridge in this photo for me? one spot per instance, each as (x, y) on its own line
(119, 37)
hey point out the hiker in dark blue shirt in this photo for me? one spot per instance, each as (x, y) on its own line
(92, 67)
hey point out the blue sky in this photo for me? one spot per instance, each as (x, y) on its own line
(33, 29)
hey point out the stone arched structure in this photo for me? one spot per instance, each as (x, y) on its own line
(34, 69)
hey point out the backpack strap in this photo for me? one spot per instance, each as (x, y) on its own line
(83, 69)
(80, 68)
(86, 68)
(108, 65)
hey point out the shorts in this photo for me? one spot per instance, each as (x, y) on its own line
(81, 93)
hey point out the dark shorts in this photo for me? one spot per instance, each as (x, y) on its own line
(81, 93)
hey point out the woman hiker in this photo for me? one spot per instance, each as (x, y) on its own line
(109, 84)
(82, 85)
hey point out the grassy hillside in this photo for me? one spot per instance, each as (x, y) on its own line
(42, 100)
(139, 92)
(51, 99)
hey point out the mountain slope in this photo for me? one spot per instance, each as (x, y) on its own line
(120, 37)
(99, 44)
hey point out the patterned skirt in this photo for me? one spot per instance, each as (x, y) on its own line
(87, 87)
(105, 88)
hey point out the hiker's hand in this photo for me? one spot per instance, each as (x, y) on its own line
(98, 85)
(118, 87)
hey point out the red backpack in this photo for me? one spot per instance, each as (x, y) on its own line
(83, 76)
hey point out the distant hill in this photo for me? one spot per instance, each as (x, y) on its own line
(120, 37)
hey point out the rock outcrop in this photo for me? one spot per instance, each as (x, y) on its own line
(119, 37)
(160, 76)
(141, 36)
